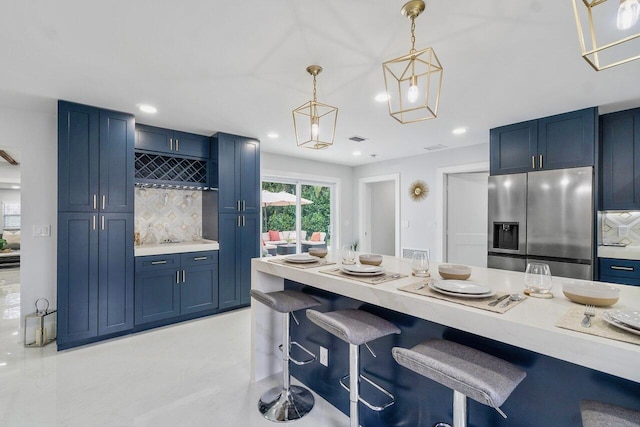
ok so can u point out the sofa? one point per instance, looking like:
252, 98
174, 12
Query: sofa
10, 255
317, 240
280, 237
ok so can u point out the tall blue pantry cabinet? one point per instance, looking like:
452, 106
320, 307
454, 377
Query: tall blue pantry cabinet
238, 215
95, 223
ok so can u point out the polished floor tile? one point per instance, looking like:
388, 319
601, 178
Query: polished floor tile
191, 374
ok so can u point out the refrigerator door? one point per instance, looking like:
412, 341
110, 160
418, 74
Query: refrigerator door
508, 207
566, 269
560, 214
506, 262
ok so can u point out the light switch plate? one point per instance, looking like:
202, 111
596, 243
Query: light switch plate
41, 230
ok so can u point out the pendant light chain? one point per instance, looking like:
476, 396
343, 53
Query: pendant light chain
413, 35
314, 89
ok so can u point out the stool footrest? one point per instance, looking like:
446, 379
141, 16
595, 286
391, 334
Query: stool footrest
377, 387
301, 347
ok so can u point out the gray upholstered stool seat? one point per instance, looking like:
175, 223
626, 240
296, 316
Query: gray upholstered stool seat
289, 402
356, 327
599, 414
472, 373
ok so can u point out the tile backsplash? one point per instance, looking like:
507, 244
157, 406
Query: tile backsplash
620, 227
162, 214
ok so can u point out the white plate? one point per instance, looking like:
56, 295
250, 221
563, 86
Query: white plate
606, 316
459, 295
359, 268
364, 274
300, 258
629, 318
462, 287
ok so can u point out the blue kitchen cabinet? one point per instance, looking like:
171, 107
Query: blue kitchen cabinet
170, 286
239, 241
172, 142
623, 271
95, 276
620, 170
561, 141
238, 161
95, 220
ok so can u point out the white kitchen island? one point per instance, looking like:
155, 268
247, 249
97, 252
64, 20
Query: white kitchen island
529, 325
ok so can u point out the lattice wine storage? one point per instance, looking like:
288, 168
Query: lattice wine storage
151, 167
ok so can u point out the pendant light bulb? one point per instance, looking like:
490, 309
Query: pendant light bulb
412, 94
315, 128
628, 14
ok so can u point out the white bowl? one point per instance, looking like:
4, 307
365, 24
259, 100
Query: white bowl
318, 252
370, 259
454, 271
594, 293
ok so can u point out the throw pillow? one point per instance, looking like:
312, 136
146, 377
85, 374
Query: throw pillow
315, 237
274, 235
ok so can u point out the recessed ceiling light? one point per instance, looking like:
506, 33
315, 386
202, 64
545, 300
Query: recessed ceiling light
459, 131
357, 153
146, 108
272, 135
382, 97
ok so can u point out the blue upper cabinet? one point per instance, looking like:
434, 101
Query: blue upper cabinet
621, 160
561, 141
169, 142
238, 174
95, 158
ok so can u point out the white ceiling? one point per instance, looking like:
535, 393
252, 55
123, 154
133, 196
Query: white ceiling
239, 66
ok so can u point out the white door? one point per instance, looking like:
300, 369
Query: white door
466, 218
382, 236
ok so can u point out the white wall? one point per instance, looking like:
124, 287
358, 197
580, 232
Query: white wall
33, 130
421, 217
9, 196
274, 164
383, 231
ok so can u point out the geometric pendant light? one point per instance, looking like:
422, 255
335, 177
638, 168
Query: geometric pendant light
612, 30
413, 81
314, 123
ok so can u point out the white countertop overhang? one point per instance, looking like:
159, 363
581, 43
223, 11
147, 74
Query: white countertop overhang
174, 248
631, 252
529, 325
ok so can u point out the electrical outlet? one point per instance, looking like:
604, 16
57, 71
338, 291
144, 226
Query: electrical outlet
623, 231
324, 356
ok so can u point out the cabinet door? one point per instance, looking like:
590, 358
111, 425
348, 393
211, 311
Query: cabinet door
116, 161
199, 291
78, 154
157, 295
249, 247
249, 179
621, 160
228, 169
229, 290
513, 148
191, 145
77, 277
151, 138
116, 274
567, 140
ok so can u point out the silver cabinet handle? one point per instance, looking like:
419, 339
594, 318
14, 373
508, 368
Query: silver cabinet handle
238, 221
533, 162
244, 205
170, 144
177, 145
184, 276
238, 205
200, 258
177, 276
95, 201
104, 201
158, 262
102, 222
540, 161
94, 222
243, 220
619, 267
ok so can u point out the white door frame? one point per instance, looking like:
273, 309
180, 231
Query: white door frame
441, 202
365, 214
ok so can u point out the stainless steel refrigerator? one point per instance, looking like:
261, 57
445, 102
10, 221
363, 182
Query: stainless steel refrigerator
544, 216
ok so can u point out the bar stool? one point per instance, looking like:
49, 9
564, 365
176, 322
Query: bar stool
467, 371
599, 414
356, 327
289, 402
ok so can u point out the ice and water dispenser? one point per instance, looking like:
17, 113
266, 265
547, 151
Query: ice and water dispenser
505, 235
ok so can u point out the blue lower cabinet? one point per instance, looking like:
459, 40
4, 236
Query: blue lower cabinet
170, 286
622, 271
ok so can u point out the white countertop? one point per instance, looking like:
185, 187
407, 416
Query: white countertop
174, 248
529, 325
631, 252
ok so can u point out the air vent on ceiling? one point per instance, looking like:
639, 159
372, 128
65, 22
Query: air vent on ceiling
356, 138
435, 147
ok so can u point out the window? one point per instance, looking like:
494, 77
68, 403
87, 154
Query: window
11, 216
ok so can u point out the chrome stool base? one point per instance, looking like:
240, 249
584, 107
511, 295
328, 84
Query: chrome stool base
279, 406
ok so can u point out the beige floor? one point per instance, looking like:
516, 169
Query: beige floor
192, 374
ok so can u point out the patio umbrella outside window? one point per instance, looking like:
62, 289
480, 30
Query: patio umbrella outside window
281, 198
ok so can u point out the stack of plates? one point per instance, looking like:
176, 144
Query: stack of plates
627, 320
362, 270
300, 258
462, 288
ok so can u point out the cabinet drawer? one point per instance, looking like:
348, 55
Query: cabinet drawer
191, 259
620, 280
157, 262
620, 268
